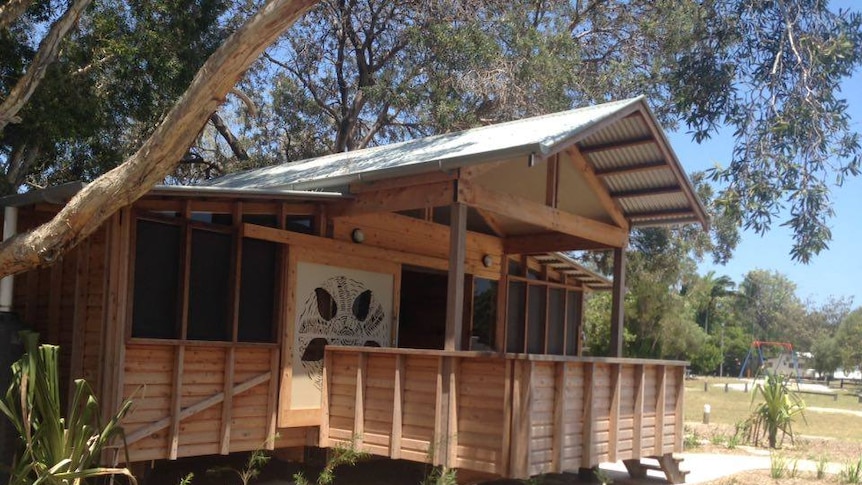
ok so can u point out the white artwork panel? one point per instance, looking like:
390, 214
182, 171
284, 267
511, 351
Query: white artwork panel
335, 306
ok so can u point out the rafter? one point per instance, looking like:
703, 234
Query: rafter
635, 142
541, 215
633, 194
643, 167
599, 188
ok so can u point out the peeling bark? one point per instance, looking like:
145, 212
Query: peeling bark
47, 54
161, 153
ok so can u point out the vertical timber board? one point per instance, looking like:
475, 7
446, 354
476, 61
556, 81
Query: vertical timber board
560, 411
359, 403
397, 409
588, 440
580, 323
521, 425
176, 401
504, 466
637, 421
441, 415
124, 307
661, 374
227, 403
618, 302
326, 384
455, 283
55, 297
680, 409
287, 339
452, 428
614, 415
79, 320
272, 399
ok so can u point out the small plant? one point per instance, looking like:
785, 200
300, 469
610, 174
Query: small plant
793, 470
777, 466
186, 480
691, 439
57, 450
602, 476
340, 455
775, 413
441, 475
717, 438
852, 472
255, 463
820, 470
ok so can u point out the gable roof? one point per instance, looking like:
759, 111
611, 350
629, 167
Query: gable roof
621, 140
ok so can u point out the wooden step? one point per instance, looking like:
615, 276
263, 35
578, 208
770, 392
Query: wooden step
668, 464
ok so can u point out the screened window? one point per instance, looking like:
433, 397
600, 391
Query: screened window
210, 247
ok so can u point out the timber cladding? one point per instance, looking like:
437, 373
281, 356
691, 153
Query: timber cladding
155, 430
511, 415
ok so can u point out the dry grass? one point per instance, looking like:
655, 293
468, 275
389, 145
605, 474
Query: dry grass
735, 406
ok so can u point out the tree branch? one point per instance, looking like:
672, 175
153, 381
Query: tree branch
161, 153
228, 136
47, 54
12, 10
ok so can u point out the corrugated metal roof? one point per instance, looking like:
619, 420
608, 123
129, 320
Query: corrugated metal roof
566, 265
621, 140
541, 135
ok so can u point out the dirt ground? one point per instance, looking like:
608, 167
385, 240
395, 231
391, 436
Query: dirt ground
709, 439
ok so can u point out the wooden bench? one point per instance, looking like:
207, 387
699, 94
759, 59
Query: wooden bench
821, 393
667, 464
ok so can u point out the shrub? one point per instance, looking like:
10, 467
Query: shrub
777, 466
56, 450
852, 472
778, 408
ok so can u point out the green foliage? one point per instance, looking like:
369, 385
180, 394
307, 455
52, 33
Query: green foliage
338, 456
820, 467
440, 475
777, 466
852, 472
55, 449
186, 480
848, 336
690, 439
776, 411
255, 463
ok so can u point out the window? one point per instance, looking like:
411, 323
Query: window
544, 317
210, 246
155, 310
484, 314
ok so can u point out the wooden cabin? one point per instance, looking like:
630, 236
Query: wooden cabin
412, 299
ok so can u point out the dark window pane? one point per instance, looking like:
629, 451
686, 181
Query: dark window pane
209, 286
157, 262
536, 324
261, 219
516, 315
484, 314
556, 323
515, 268
303, 224
257, 291
210, 218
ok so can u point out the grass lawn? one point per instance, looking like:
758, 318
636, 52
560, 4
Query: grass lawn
735, 406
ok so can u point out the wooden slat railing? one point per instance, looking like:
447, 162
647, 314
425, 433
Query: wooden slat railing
509, 415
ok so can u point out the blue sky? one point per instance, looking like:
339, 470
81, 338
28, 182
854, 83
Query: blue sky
836, 271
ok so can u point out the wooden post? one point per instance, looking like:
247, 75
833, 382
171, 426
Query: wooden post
661, 388
637, 421
455, 289
588, 451
359, 403
397, 407
614, 416
560, 411
618, 305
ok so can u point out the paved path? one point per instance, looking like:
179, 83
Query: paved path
705, 467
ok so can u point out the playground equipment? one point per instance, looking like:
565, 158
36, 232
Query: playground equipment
785, 363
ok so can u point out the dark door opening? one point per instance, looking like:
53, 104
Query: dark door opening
422, 319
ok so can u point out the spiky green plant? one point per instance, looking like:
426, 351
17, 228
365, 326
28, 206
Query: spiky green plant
55, 450
778, 408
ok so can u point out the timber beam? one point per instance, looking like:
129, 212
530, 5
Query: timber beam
396, 199
541, 215
547, 243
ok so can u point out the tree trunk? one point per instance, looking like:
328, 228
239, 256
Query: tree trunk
161, 152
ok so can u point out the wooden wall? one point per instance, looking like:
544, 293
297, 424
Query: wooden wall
202, 399
65, 302
515, 416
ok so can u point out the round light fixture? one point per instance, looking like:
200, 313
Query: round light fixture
358, 236
487, 260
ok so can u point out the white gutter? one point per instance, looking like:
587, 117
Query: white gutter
10, 227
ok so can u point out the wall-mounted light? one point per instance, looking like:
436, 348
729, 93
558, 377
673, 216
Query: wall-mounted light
487, 260
357, 236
